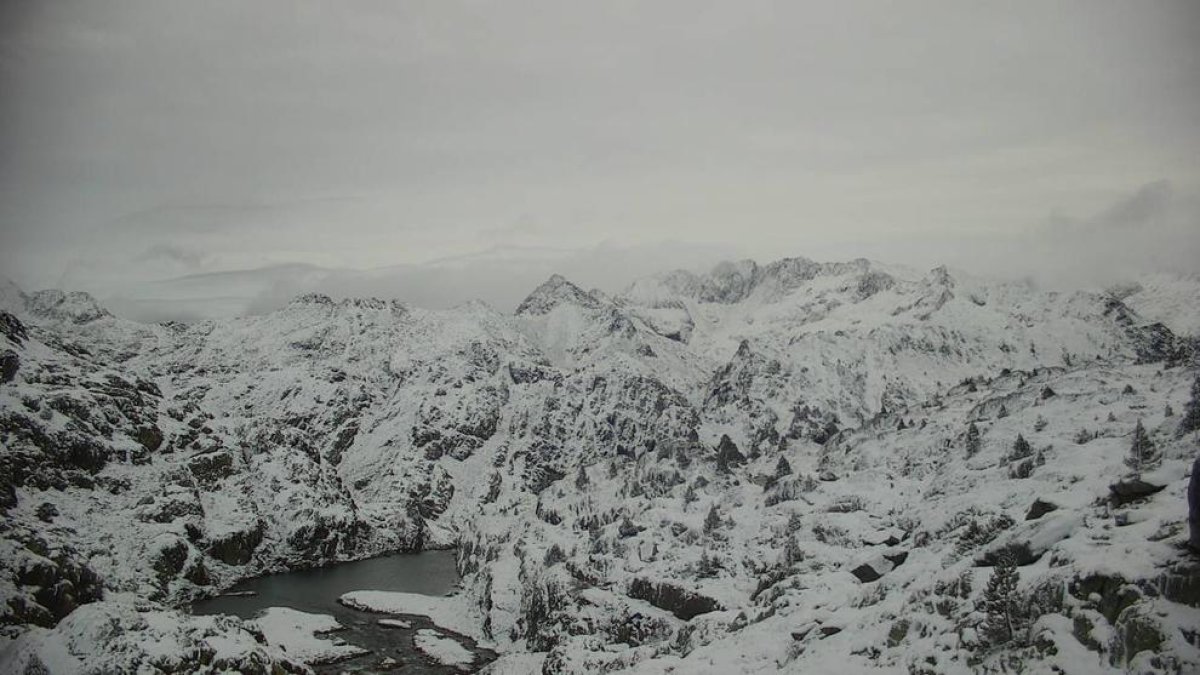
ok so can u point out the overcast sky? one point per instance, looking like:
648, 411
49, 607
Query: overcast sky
148, 140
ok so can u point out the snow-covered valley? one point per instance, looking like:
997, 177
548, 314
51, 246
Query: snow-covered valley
798, 467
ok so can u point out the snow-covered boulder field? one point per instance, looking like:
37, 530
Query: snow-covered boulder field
801, 467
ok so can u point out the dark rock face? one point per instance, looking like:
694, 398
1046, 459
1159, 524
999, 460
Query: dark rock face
48, 588
1126, 491
1039, 508
150, 437
1114, 593
210, 467
1181, 583
237, 548
9, 364
433, 498
12, 328
170, 560
684, 604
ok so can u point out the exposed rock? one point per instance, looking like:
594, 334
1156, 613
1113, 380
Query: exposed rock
1134, 632
237, 547
684, 604
1039, 508
12, 328
9, 364
210, 467
1181, 583
879, 565
150, 437
46, 512
1131, 489
169, 560
1108, 594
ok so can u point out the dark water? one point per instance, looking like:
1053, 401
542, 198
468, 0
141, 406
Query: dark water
317, 591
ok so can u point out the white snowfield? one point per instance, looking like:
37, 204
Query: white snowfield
300, 634
450, 612
442, 649
797, 467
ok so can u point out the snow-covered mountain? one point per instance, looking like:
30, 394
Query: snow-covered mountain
757, 468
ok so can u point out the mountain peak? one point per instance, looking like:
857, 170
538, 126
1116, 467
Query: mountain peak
553, 292
73, 306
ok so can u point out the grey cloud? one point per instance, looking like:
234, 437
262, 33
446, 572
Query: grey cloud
376, 134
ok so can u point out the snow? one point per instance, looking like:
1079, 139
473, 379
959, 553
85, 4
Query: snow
362, 426
442, 649
298, 633
450, 612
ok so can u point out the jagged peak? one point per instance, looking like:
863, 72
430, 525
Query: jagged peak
553, 292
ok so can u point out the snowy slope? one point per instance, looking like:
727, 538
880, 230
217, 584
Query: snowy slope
686, 475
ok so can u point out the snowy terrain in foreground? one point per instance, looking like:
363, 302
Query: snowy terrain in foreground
804, 467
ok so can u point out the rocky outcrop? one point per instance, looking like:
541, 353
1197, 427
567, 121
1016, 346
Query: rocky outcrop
1130, 490
681, 602
237, 547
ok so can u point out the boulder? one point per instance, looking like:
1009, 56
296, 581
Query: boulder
1131, 489
681, 602
878, 565
1039, 508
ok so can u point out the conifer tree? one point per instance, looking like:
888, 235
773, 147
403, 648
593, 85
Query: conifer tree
1006, 616
1142, 451
973, 441
1021, 449
713, 520
783, 468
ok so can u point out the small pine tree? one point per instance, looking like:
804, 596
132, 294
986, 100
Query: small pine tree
792, 553
1040, 424
974, 443
1003, 412
1168, 411
1112, 417
1191, 410
1021, 449
1006, 619
713, 520
709, 566
689, 495
581, 479
783, 468
1142, 451
728, 455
